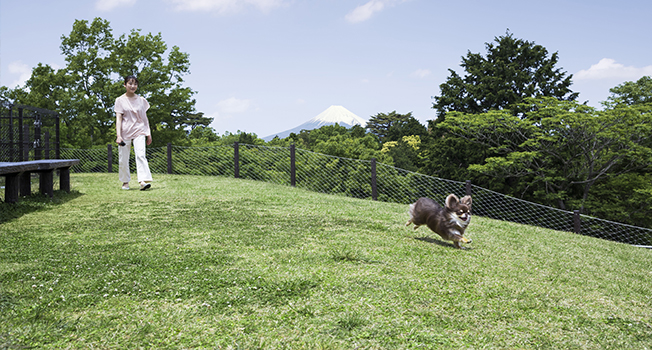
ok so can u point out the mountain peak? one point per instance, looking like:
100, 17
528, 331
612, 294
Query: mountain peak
332, 115
337, 114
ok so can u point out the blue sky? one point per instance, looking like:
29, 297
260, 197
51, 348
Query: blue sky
265, 66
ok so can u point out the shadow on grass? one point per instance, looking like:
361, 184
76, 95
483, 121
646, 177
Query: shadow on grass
428, 239
35, 202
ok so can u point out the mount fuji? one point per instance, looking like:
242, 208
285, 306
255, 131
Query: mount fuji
332, 115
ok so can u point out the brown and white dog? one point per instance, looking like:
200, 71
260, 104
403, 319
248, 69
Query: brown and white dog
449, 222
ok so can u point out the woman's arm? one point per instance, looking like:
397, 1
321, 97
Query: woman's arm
118, 127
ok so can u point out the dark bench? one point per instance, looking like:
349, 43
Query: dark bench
17, 176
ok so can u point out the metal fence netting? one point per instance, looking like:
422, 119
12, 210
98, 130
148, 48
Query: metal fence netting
354, 178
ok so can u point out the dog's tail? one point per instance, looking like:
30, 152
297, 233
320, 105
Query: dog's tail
411, 210
411, 213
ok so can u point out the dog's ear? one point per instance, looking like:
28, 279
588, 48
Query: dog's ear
466, 200
452, 201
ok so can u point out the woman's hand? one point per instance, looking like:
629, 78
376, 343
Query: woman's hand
119, 140
149, 140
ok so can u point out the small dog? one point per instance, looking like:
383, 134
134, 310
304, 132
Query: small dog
449, 222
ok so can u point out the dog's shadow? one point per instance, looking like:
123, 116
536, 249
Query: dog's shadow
429, 239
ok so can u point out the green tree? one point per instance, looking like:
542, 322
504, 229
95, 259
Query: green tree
336, 140
558, 149
624, 198
408, 126
202, 136
84, 91
632, 93
381, 123
512, 70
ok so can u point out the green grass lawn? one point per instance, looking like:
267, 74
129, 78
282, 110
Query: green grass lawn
214, 262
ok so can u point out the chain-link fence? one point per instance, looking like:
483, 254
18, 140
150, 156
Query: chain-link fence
355, 178
28, 133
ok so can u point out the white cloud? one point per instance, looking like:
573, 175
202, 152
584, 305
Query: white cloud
233, 105
421, 73
20, 69
366, 11
608, 68
108, 5
225, 6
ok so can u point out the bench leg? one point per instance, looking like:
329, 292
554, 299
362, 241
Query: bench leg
64, 179
46, 182
12, 185
25, 183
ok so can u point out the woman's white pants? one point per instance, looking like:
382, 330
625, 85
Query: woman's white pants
142, 167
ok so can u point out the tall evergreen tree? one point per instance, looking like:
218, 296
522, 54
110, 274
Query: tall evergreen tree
512, 70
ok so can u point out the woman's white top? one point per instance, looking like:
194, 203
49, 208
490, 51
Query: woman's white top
134, 116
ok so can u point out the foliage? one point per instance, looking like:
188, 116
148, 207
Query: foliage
512, 70
84, 91
382, 123
632, 93
336, 140
202, 136
558, 149
623, 198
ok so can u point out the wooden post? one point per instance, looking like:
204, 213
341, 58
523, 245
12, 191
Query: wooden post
64, 179
109, 156
469, 189
374, 187
12, 187
46, 182
169, 158
293, 169
236, 159
25, 180
577, 223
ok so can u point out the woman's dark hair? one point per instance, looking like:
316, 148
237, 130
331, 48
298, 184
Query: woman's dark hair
130, 77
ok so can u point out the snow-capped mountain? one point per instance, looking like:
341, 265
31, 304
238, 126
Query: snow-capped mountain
332, 115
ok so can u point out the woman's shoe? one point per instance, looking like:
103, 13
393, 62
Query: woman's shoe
144, 186
125, 186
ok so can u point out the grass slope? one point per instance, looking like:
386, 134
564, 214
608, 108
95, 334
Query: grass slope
213, 262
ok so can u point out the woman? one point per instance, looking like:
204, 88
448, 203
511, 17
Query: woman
132, 126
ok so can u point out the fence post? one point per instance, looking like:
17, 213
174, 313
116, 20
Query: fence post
20, 135
25, 177
293, 169
38, 154
469, 189
57, 151
374, 187
576, 221
46, 145
236, 159
169, 158
12, 149
25, 145
109, 157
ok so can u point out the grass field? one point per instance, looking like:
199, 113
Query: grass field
213, 262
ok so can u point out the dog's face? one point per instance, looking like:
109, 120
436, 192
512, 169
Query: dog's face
458, 210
